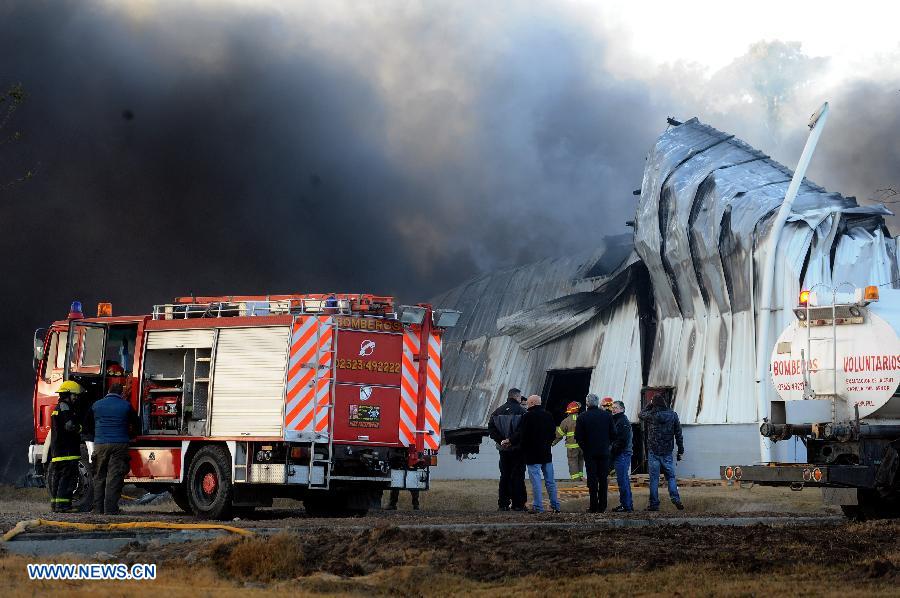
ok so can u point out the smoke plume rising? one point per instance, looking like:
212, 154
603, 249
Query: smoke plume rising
393, 148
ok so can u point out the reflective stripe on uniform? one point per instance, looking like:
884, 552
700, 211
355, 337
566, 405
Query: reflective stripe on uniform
69, 458
570, 433
54, 412
571, 446
577, 476
559, 432
60, 500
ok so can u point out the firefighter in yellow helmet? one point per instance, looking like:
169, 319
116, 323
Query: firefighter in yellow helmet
566, 430
65, 447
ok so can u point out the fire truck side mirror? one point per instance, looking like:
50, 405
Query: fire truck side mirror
38, 355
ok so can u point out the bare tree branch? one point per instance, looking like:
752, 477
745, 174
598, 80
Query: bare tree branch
10, 100
886, 195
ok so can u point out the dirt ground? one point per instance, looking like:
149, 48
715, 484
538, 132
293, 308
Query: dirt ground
381, 555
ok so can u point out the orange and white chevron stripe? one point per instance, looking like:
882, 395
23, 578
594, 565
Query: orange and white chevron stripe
433, 394
309, 377
409, 387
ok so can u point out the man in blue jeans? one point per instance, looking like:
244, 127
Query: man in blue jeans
663, 427
535, 435
621, 454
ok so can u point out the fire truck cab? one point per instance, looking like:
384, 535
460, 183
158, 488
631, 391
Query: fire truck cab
328, 398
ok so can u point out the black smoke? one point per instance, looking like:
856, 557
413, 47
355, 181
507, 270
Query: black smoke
223, 149
219, 150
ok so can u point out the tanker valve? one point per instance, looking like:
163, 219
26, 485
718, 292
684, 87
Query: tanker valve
838, 432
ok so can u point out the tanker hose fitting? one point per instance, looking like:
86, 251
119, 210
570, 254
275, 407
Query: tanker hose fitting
775, 432
840, 432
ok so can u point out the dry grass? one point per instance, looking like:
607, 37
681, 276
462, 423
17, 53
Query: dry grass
180, 580
481, 496
261, 559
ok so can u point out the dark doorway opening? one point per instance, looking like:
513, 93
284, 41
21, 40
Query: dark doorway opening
564, 386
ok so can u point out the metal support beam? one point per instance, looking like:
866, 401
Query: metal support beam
816, 123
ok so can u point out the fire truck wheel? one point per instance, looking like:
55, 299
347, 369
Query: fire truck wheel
180, 497
872, 506
209, 488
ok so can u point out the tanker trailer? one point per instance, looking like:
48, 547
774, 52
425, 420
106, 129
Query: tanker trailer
836, 370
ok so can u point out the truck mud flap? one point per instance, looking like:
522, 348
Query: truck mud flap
886, 476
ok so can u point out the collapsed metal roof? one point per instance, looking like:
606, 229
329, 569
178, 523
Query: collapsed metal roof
702, 225
704, 215
520, 322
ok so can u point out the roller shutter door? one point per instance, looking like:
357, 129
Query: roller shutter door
248, 381
181, 339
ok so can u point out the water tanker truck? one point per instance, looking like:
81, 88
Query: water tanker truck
836, 371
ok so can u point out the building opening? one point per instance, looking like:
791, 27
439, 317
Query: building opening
564, 386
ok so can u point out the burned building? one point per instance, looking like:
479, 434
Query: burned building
673, 305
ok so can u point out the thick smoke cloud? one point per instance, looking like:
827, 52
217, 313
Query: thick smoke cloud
227, 148
243, 150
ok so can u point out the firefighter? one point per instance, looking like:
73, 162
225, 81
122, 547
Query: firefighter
567, 430
116, 374
65, 447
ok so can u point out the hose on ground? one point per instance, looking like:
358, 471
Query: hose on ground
22, 526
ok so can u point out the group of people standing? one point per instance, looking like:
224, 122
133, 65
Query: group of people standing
106, 426
596, 440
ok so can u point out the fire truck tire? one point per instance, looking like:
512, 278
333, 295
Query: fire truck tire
872, 506
180, 497
83, 498
209, 489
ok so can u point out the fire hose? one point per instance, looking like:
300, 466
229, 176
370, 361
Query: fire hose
22, 526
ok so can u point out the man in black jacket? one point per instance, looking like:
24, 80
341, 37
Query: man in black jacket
663, 427
594, 433
65, 447
535, 435
503, 422
620, 452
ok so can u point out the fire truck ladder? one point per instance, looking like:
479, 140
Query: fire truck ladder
327, 462
829, 337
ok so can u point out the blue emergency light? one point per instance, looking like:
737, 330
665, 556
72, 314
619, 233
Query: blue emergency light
75, 311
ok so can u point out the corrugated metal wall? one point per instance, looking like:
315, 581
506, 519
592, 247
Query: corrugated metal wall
480, 363
702, 223
706, 206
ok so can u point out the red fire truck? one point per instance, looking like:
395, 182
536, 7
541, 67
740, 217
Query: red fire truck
327, 398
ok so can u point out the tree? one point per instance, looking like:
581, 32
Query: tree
10, 101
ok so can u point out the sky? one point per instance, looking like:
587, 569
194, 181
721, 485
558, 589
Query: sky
389, 147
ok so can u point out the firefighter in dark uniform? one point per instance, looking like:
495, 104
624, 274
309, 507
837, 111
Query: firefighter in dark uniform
65, 447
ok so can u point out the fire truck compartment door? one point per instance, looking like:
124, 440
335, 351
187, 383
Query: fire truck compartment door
181, 339
248, 381
367, 414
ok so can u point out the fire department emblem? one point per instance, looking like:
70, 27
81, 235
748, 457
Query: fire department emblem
365, 393
366, 348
